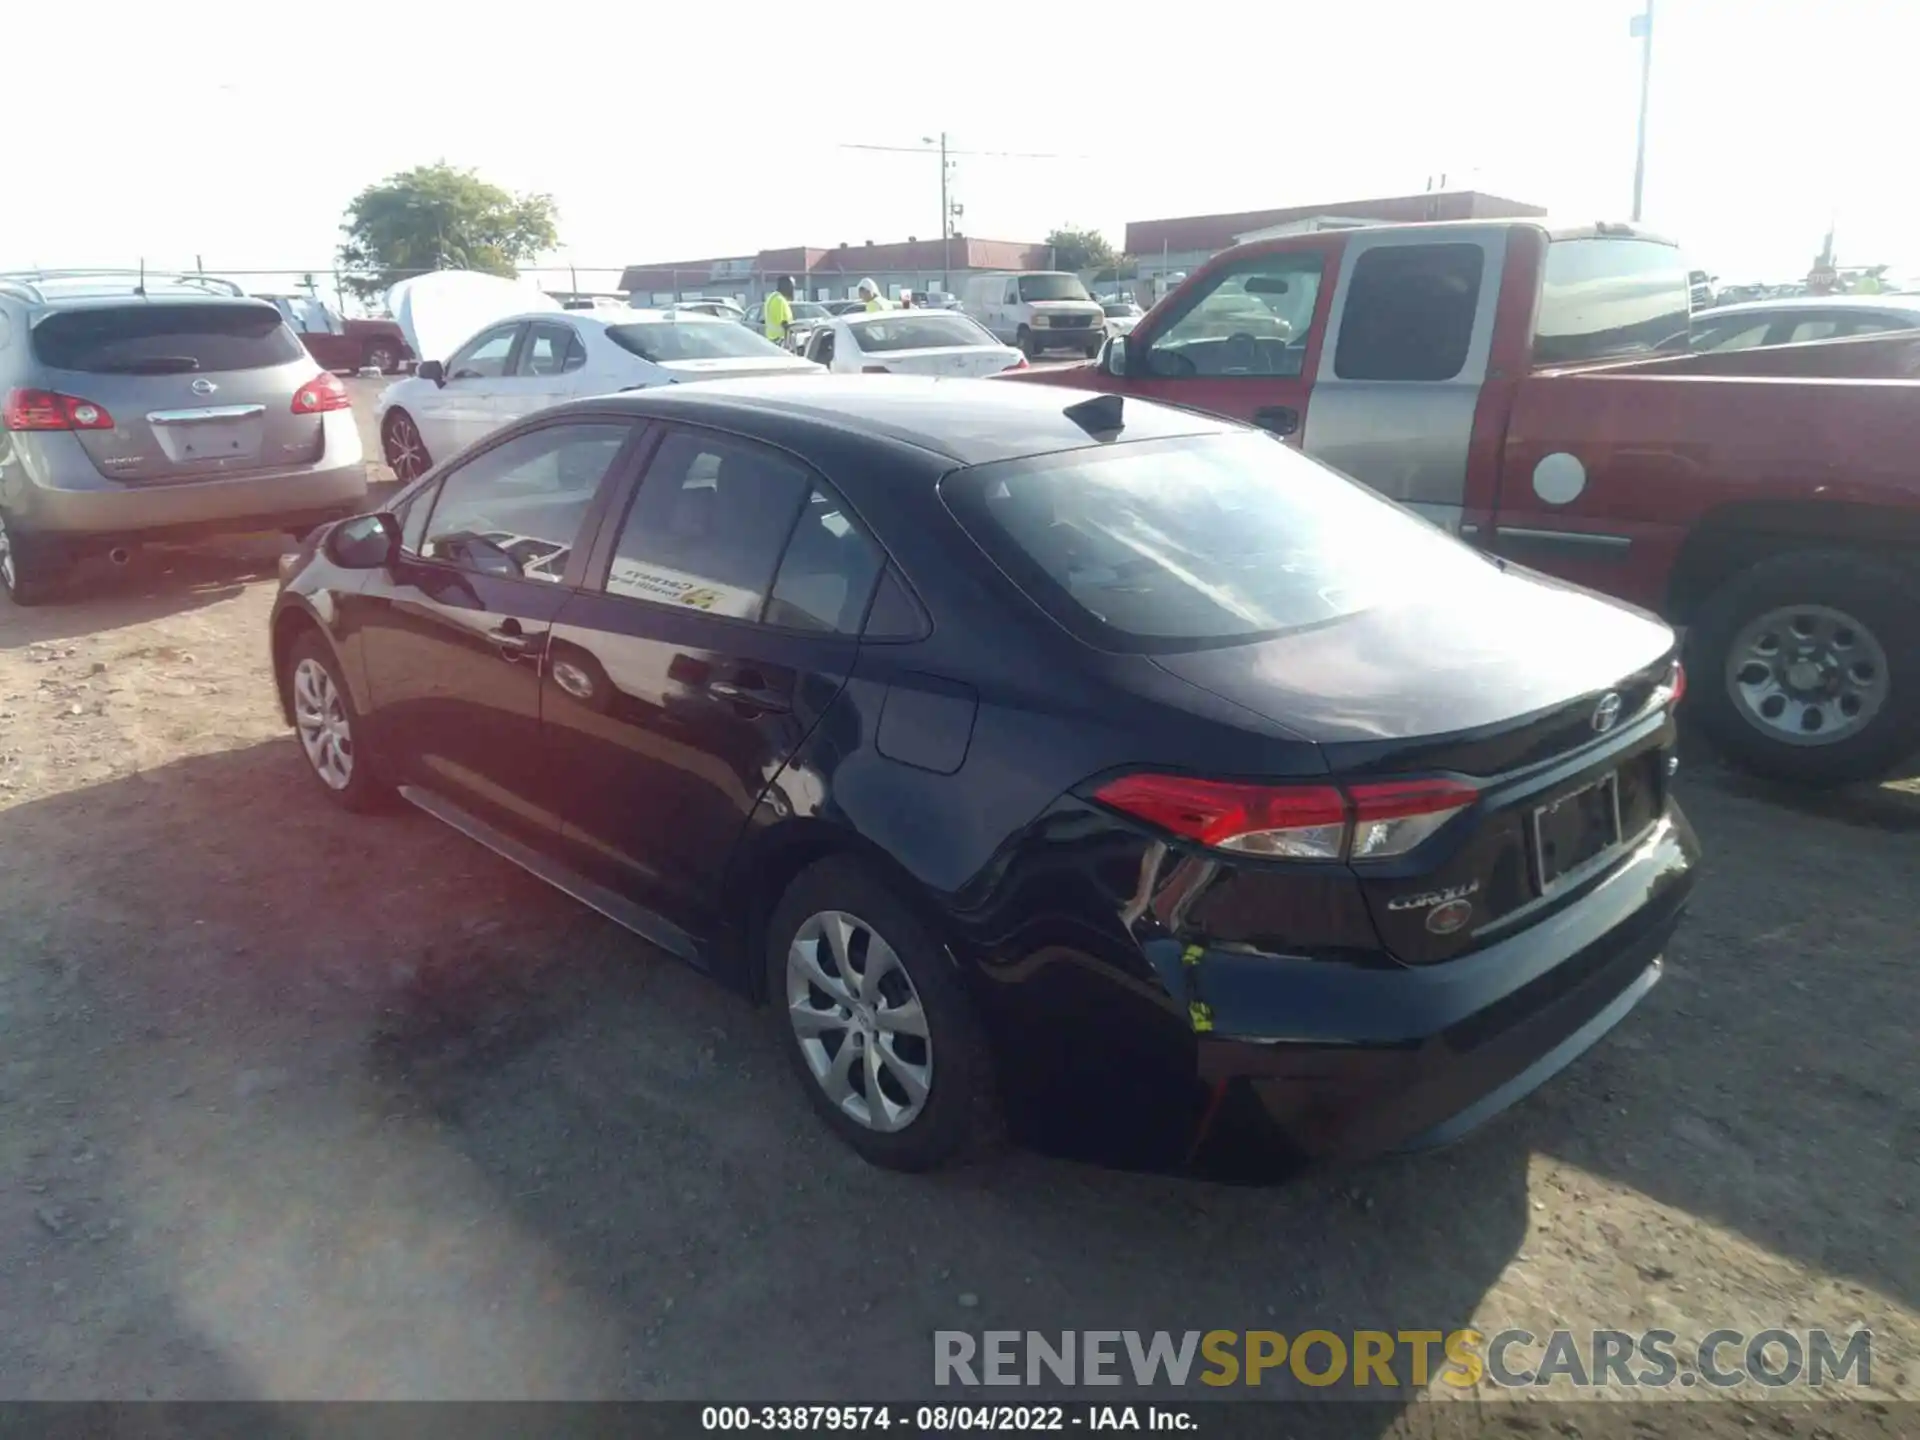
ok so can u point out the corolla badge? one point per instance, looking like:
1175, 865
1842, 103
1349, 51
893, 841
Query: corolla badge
203, 386
1607, 713
1428, 899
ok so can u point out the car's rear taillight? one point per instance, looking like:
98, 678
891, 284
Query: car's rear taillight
50, 410
1373, 821
322, 393
1676, 686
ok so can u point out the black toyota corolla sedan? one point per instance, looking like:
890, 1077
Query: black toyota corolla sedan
1084, 765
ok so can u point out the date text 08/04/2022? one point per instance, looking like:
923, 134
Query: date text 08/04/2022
942, 1418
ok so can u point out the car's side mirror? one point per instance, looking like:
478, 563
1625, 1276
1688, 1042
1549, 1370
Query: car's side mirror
1113, 355
431, 370
365, 542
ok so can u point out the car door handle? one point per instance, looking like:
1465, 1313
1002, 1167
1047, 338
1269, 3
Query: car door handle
755, 697
1280, 419
512, 642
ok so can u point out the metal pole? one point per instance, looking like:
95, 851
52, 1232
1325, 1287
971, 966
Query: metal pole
946, 224
1645, 25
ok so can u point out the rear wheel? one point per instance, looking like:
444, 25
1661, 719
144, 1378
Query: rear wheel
382, 356
405, 451
875, 1021
1806, 667
30, 572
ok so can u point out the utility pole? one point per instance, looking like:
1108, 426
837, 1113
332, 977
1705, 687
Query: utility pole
946, 215
1642, 27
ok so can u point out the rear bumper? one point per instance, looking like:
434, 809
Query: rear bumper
64, 497
1380, 1060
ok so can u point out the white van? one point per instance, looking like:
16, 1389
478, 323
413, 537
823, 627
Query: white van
1037, 310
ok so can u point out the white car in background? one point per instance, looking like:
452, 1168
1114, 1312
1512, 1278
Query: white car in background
909, 342
491, 353
1122, 316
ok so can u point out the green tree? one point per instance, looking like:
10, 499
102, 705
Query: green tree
1080, 249
435, 217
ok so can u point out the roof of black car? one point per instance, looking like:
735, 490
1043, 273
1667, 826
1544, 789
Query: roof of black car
971, 422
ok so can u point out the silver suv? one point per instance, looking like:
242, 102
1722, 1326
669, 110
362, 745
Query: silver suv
152, 409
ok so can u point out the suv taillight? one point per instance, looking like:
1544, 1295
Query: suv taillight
1371, 821
323, 392
50, 410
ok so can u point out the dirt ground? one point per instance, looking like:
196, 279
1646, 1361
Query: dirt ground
294, 1104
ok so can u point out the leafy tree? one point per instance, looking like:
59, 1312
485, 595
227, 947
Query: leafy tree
1080, 249
435, 217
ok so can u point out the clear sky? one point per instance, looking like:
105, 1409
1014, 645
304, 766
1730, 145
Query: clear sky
671, 131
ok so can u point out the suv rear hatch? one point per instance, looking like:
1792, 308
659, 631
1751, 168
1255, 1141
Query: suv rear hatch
185, 389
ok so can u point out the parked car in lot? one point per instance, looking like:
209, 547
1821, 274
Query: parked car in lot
515, 364
719, 307
1122, 316
339, 343
1038, 310
168, 412
1801, 318
908, 342
1530, 389
1089, 754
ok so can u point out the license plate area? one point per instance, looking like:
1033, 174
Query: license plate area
1577, 833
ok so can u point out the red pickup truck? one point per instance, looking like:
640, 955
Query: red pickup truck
338, 343
1530, 388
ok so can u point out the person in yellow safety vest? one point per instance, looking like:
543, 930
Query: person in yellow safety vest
779, 311
870, 293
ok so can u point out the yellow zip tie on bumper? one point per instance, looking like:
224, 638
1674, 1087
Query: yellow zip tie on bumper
1191, 955
1201, 1014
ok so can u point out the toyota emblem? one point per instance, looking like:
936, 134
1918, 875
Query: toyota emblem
1607, 713
1448, 918
204, 386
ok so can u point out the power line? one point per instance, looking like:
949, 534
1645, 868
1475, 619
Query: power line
995, 154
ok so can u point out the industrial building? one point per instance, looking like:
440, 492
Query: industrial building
832, 274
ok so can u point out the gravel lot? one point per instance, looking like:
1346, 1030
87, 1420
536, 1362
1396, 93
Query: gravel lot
299, 1105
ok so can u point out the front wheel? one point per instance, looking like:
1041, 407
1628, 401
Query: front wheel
405, 451
1806, 667
874, 1019
1024, 339
329, 728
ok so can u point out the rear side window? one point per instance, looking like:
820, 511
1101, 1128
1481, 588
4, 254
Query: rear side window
165, 339
827, 574
1409, 313
664, 341
904, 330
1609, 298
1180, 544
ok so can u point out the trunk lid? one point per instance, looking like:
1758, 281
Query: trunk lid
1555, 713
193, 389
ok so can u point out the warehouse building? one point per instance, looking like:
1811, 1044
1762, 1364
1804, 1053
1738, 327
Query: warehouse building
831, 274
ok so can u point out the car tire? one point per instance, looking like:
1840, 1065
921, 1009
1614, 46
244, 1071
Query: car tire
1093, 350
31, 572
1024, 339
319, 697
1834, 632
382, 357
954, 1111
402, 447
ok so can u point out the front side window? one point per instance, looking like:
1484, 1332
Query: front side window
1731, 332
485, 356
1252, 318
1179, 544
1409, 313
1608, 298
516, 511
708, 525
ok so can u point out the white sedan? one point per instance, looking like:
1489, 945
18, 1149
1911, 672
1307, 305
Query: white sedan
909, 342
527, 358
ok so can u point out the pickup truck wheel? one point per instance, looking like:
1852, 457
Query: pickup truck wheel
406, 452
383, 357
1806, 667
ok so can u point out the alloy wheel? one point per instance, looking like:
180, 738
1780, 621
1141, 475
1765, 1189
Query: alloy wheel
406, 453
381, 359
859, 1021
320, 716
1807, 674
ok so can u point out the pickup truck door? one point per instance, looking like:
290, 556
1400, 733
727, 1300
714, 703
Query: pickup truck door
1241, 338
1397, 382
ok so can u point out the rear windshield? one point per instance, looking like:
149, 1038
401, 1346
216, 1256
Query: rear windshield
902, 330
1607, 299
1052, 287
664, 341
146, 339
1206, 540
